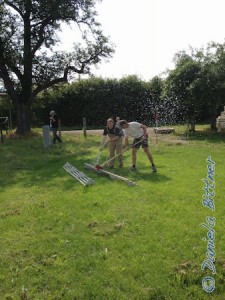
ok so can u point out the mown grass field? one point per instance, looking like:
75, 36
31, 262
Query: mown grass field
61, 240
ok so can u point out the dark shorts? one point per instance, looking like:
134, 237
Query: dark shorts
137, 143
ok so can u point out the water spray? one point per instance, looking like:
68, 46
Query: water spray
99, 152
99, 167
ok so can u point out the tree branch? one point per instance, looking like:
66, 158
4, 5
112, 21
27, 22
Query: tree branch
9, 3
6, 62
40, 35
49, 84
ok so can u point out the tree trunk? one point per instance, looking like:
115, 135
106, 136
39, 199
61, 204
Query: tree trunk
213, 117
213, 123
23, 123
191, 123
192, 129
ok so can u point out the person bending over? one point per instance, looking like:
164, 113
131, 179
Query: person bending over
139, 134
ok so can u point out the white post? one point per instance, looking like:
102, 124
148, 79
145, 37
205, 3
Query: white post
46, 136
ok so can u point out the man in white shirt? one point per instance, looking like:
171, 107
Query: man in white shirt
139, 132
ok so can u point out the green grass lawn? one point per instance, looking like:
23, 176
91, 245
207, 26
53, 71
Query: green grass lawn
63, 240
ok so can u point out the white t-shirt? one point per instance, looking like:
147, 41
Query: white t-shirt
134, 130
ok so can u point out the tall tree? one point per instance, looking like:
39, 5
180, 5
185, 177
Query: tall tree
211, 85
29, 63
180, 86
198, 82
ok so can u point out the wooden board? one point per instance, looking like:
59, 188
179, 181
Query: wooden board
164, 130
111, 175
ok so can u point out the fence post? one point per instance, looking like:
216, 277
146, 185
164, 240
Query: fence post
84, 127
2, 139
60, 127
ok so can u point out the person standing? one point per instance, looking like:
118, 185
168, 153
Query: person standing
118, 124
114, 142
54, 123
117, 121
137, 131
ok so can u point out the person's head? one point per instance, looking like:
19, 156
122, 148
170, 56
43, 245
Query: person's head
110, 123
52, 113
117, 119
123, 124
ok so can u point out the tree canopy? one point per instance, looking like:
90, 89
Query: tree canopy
198, 81
29, 62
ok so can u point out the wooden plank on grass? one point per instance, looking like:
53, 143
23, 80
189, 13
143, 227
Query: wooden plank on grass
111, 175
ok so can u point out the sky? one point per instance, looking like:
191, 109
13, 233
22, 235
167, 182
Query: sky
148, 33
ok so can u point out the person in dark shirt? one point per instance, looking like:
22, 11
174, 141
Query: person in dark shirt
115, 142
54, 123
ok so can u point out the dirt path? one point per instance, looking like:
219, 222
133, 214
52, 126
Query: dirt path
89, 131
100, 131
170, 138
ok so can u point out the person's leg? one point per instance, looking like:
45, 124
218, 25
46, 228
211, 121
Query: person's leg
112, 148
54, 135
134, 156
150, 157
136, 145
58, 138
119, 149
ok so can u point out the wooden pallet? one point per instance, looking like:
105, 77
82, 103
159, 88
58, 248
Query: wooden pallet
111, 175
164, 130
80, 176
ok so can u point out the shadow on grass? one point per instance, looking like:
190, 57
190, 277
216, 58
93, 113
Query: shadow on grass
27, 163
142, 174
150, 176
207, 135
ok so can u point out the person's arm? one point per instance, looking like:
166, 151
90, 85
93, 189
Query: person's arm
116, 133
145, 132
115, 138
54, 118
